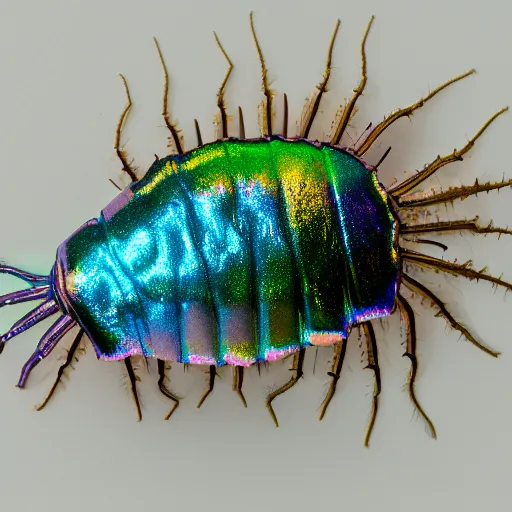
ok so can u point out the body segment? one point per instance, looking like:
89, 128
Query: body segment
236, 252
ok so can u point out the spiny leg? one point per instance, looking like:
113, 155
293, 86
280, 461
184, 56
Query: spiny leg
441, 161
452, 193
349, 109
163, 388
165, 106
340, 350
60, 373
241, 126
373, 364
133, 383
211, 383
220, 93
238, 380
449, 267
312, 105
414, 285
297, 368
453, 225
407, 111
266, 112
121, 153
198, 133
408, 315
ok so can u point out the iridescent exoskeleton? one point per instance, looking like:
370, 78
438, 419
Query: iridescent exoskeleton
248, 250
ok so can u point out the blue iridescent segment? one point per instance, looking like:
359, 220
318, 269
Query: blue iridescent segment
233, 253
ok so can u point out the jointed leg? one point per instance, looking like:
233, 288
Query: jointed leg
238, 380
60, 373
220, 94
349, 109
414, 285
266, 110
408, 315
311, 107
340, 350
453, 193
441, 161
121, 153
211, 384
452, 268
297, 368
133, 384
373, 364
165, 107
453, 225
163, 388
407, 111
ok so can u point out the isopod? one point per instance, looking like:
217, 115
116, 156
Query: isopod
243, 251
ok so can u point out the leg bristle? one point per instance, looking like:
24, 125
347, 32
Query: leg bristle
198, 133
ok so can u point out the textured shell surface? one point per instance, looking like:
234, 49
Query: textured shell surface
236, 252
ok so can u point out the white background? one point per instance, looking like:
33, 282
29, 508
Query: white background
60, 99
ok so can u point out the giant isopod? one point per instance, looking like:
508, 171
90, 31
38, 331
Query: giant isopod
242, 251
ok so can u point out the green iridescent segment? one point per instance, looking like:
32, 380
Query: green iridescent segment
236, 252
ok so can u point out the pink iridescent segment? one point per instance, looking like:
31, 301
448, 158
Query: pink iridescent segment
325, 339
198, 359
274, 354
237, 360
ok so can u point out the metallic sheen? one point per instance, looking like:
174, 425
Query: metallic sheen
235, 252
